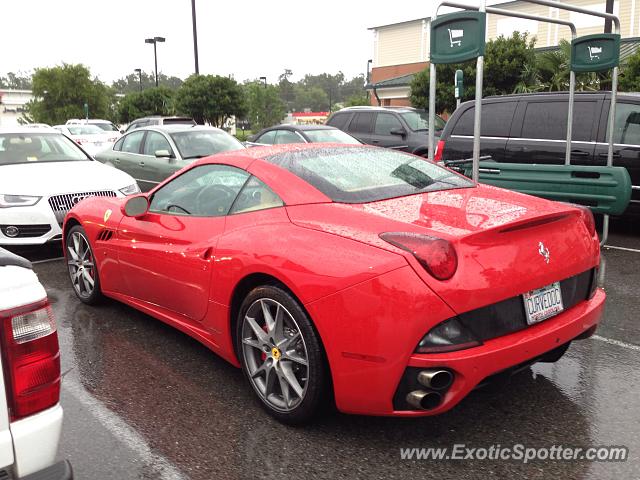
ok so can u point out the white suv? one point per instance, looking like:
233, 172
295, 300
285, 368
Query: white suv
30, 412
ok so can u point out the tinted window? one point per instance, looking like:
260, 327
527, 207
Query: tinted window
287, 136
360, 174
131, 142
205, 191
107, 127
255, 195
202, 143
419, 120
267, 138
339, 120
361, 122
548, 120
385, 122
155, 141
330, 136
627, 125
496, 120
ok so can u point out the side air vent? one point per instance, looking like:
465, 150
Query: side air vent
105, 235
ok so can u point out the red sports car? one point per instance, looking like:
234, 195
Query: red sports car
393, 283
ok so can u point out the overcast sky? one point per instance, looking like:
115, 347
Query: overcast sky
248, 38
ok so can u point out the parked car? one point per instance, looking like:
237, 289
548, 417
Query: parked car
42, 175
400, 128
158, 120
281, 134
396, 282
30, 412
90, 137
105, 125
532, 128
37, 125
152, 154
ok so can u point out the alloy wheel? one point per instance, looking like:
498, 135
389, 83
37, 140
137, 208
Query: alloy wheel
81, 265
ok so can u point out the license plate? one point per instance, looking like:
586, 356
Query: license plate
543, 303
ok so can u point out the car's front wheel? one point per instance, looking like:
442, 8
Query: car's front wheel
81, 264
281, 354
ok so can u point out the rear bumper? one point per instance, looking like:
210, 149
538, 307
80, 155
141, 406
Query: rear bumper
59, 471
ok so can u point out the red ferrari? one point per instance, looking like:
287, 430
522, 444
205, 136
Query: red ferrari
388, 281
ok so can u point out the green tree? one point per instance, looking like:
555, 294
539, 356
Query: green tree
153, 101
629, 80
313, 98
16, 81
265, 107
356, 100
212, 99
131, 83
61, 92
286, 89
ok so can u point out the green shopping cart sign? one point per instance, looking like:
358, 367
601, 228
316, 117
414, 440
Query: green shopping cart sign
457, 37
593, 53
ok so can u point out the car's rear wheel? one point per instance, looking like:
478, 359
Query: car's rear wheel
281, 354
81, 264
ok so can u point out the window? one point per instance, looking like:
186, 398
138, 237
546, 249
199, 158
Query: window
339, 120
627, 124
131, 142
361, 122
287, 136
204, 191
118, 145
155, 141
496, 120
255, 195
201, 143
548, 120
419, 120
385, 122
359, 175
267, 138
31, 148
330, 136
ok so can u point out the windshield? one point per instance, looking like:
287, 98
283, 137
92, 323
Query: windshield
84, 130
362, 174
201, 143
39, 147
330, 136
107, 127
419, 120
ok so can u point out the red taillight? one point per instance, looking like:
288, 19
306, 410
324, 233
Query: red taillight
30, 359
587, 218
439, 149
436, 255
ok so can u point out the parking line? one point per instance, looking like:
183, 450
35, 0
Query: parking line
162, 468
36, 262
623, 248
618, 343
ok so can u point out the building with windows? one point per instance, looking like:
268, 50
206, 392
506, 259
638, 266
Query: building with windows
12, 106
401, 50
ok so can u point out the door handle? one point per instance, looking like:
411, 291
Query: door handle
206, 255
117, 160
615, 155
142, 163
579, 153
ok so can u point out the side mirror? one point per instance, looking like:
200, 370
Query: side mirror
136, 206
398, 131
163, 154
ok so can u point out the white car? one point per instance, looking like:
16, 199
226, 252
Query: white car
90, 137
105, 125
30, 412
43, 174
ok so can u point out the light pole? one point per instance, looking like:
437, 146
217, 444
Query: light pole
155, 41
195, 35
264, 81
139, 72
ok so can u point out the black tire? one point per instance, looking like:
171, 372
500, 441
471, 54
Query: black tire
316, 373
90, 296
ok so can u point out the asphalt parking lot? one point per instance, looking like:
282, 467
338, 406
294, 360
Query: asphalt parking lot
143, 400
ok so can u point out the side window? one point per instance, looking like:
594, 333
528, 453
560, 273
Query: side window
496, 120
627, 124
118, 145
204, 191
155, 141
548, 120
255, 195
268, 138
131, 142
287, 136
361, 122
385, 122
339, 120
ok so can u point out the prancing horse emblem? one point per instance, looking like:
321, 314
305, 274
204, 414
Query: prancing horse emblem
544, 252
107, 214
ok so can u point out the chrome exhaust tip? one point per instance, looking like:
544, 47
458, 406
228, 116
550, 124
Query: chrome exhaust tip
435, 379
421, 400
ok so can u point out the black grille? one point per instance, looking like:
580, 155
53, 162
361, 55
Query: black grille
25, 231
61, 204
509, 316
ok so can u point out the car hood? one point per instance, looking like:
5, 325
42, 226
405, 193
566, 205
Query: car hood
49, 178
496, 234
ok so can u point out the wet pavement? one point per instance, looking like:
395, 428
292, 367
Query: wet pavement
143, 400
